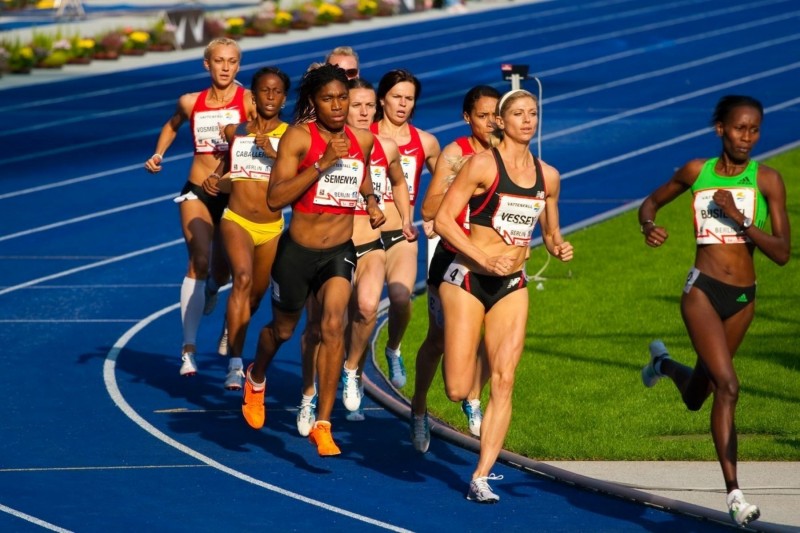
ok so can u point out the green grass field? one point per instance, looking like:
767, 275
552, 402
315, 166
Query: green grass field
578, 393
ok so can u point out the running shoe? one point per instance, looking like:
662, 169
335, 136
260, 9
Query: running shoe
322, 438
233, 381
472, 408
253, 402
420, 432
211, 299
658, 353
481, 492
306, 416
188, 366
222, 345
397, 370
356, 416
741, 512
351, 392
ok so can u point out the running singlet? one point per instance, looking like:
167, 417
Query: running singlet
412, 159
710, 223
508, 208
248, 160
379, 172
336, 189
207, 123
463, 217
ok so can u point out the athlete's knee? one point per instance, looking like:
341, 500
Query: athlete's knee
279, 332
457, 392
367, 310
728, 389
243, 280
693, 402
198, 262
502, 384
399, 294
331, 328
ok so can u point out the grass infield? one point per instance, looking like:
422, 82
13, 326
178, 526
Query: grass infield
578, 393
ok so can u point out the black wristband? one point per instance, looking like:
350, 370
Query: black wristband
377, 198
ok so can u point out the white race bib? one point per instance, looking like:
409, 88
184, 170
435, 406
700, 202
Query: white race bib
208, 126
515, 218
248, 160
409, 164
338, 186
711, 224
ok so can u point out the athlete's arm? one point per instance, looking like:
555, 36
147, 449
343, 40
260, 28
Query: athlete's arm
442, 174
432, 149
400, 196
170, 130
678, 184
549, 219
285, 184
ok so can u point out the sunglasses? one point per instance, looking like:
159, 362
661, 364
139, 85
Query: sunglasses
351, 73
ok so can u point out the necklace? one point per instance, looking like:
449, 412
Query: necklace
213, 95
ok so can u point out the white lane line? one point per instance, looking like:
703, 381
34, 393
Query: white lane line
33, 519
84, 218
69, 321
97, 468
109, 261
110, 379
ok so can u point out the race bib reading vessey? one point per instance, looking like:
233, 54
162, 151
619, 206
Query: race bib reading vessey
248, 160
516, 217
712, 226
207, 129
338, 185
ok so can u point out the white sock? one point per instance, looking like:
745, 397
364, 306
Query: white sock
192, 303
307, 400
475, 403
350, 373
393, 353
257, 387
235, 363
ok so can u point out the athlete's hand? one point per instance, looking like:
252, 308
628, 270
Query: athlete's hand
338, 147
427, 228
410, 232
211, 185
376, 216
655, 236
563, 251
153, 164
263, 142
724, 199
499, 265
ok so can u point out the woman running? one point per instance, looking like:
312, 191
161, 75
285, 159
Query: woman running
249, 227
507, 190
208, 112
398, 92
478, 111
733, 196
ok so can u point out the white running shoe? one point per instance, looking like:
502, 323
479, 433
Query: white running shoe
188, 366
211, 299
420, 432
741, 512
481, 492
472, 408
351, 392
222, 345
233, 381
397, 370
306, 416
658, 353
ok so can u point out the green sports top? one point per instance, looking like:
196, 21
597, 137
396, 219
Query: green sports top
710, 223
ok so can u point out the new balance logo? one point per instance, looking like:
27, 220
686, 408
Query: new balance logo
742, 299
513, 282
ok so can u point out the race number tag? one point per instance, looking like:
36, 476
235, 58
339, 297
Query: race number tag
208, 126
409, 164
516, 217
338, 186
711, 224
249, 161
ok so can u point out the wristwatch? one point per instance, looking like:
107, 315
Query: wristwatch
317, 167
645, 224
746, 223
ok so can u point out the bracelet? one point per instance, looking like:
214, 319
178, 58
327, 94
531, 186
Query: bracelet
377, 198
645, 223
317, 167
159, 156
214, 175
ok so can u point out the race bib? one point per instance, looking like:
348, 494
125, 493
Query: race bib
711, 224
409, 164
338, 186
379, 185
249, 161
516, 217
208, 126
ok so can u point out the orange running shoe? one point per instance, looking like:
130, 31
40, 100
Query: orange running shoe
321, 436
253, 403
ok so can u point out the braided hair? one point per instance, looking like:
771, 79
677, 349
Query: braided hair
313, 81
